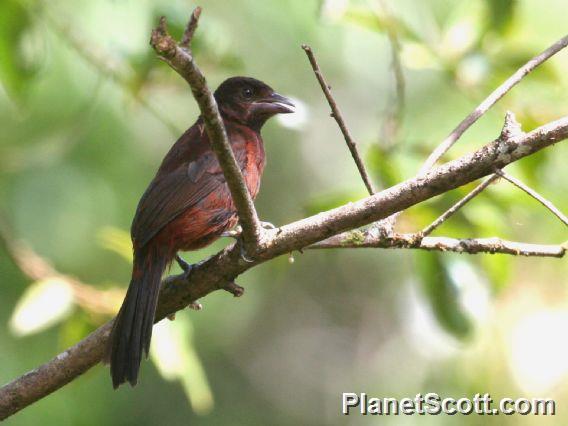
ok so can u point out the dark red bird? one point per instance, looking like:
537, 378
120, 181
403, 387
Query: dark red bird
186, 207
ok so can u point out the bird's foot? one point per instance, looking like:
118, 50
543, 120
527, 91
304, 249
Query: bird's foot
243, 252
237, 231
186, 267
233, 288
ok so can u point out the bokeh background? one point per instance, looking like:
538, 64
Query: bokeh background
87, 112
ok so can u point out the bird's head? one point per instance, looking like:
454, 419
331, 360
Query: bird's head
250, 101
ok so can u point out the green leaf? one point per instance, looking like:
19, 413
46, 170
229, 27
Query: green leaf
498, 270
381, 163
14, 71
501, 14
443, 294
375, 20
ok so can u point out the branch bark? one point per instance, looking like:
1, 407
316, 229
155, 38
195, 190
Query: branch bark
443, 244
215, 272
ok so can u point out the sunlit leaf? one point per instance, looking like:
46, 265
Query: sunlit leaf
117, 240
373, 19
43, 304
175, 357
333, 9
363, 17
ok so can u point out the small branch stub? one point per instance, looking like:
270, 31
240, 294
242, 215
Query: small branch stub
511, 128
233, 288
190, 29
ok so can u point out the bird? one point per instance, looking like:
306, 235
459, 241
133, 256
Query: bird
187, 206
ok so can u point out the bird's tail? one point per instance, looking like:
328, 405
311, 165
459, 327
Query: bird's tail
132, 330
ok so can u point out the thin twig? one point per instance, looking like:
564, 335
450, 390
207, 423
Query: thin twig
183, 63
546, 203
190, 29
450, 212
484, 106
358, 239
336, 114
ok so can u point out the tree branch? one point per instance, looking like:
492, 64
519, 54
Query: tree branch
179, 57
413, 241
336, 114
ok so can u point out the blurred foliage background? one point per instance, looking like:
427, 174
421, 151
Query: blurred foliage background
87, 112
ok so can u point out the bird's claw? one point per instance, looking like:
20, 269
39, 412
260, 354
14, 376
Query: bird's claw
186, 267
244, 254
233, 233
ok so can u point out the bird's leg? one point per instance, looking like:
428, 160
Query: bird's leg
187, 268
244, 255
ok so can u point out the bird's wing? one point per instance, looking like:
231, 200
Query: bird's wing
172, 193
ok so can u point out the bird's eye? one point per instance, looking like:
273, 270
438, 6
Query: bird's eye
247, 93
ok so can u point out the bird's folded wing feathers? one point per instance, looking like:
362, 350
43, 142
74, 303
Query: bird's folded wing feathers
171, 194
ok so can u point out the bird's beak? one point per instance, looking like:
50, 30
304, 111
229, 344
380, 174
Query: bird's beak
275, 104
